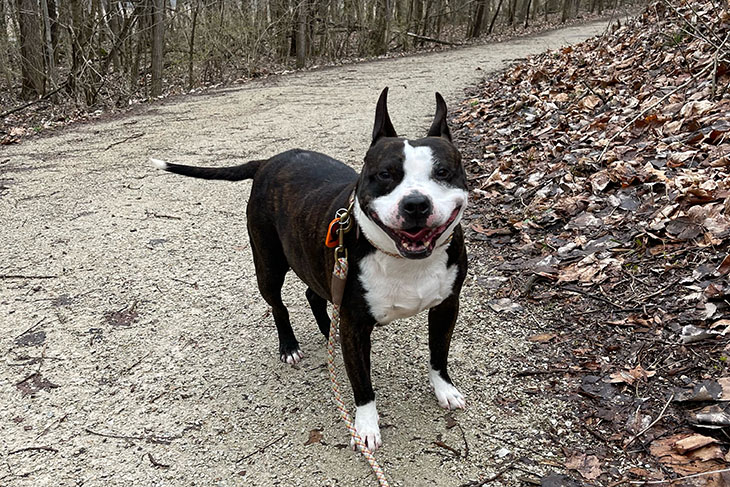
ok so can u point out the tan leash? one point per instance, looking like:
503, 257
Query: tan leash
344, 221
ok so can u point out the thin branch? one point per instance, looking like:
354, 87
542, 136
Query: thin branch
260, 450
661, 415
491, 478
694, 475
126, 139
23, 276
34, 448
33, 102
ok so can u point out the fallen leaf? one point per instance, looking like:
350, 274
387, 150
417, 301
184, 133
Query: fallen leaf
701, 460
587, 465
707, 390
630, 376
502, 305
315, 436
542, 337
34, 383
693, 443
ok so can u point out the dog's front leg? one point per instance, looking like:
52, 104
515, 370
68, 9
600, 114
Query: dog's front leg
441, 321
355, 337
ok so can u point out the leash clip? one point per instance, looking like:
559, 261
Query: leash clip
342, 223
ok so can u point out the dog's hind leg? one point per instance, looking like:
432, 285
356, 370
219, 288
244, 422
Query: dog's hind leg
271, 268
319, 310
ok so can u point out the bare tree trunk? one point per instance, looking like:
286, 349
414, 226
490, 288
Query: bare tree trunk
31, 49
527, 12
113, 15
158, 45
476, 26
302, 34
512, 12
494, 17
388, 4
424, 25
50, 57
191, 51
566, 11
4, 47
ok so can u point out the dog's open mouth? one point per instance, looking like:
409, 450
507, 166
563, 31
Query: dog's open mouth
417, 242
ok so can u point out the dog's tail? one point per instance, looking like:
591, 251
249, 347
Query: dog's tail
231, 173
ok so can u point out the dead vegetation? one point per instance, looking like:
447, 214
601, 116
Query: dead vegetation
600, 183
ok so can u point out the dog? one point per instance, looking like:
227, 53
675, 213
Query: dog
406, 252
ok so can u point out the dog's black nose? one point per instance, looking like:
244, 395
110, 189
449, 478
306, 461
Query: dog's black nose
415, 205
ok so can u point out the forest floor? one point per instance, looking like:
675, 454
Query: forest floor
138, 351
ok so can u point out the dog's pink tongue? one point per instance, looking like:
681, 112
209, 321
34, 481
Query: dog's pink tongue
417, 235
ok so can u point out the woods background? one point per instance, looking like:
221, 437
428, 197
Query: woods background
110, 51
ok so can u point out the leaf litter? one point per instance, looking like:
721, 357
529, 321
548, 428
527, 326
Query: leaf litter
600, 186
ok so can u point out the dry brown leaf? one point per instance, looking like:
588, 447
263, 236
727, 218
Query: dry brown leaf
587, 465
693, 443
724, 266
590, 102
630, 376
701, 460
315, 436
542, 337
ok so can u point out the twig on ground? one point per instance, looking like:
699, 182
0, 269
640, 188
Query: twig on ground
644, 298
126, 139
431, 39
33, 102
34, 448
23, 276
466, 444
128, 369
661, 415
443, 445
493, 477
670, 481
260, 450
28, 330
45, 430
158, 215
154, 462
160, 440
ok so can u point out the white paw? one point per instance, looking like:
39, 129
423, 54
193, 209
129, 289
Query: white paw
292, 357
447, 395
366, 424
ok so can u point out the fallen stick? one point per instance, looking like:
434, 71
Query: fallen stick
260, 450
126, 139
670, 481
492, 478
431, 39
23, 276
661, 415
34, 448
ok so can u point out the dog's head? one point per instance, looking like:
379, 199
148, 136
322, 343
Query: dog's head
411, 193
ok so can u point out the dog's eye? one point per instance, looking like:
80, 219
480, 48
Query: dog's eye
442, 173
385, 176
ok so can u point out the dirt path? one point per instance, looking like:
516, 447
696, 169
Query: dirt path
137, 350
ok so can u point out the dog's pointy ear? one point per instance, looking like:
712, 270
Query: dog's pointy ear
439, 127
383, 126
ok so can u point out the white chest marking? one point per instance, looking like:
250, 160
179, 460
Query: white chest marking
398, 288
